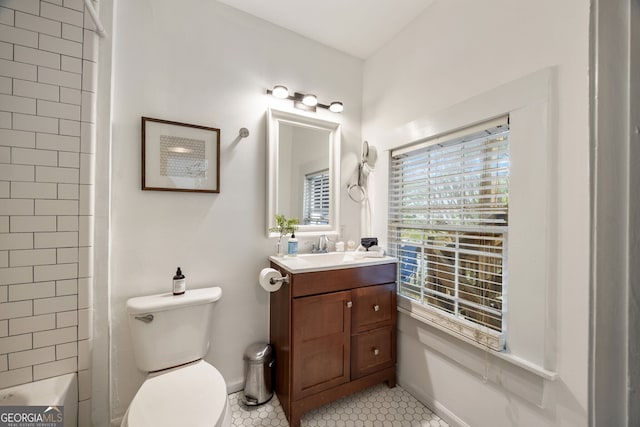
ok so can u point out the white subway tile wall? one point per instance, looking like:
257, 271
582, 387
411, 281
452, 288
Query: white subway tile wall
48, 81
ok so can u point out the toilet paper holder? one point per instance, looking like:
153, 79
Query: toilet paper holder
284, 279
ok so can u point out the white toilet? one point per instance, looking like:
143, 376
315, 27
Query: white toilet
170, 338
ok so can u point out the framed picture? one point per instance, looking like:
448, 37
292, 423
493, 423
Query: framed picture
180, 157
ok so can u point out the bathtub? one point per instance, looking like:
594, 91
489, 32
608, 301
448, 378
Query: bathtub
57, 391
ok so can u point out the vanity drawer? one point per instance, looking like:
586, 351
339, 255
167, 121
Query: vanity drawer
373, 307
320, 282
372, 350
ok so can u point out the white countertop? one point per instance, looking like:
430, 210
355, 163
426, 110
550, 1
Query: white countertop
305, 263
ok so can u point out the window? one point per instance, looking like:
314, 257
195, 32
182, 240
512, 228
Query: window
448, 225
316, 198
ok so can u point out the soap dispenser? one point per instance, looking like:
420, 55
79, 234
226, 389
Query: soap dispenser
179, 283
292, 247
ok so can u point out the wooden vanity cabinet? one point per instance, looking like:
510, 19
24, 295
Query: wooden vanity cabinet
333, 333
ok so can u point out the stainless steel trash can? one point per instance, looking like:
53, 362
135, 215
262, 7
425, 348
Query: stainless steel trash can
258, 374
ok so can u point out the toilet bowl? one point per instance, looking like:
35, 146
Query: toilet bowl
170, 338
191, 395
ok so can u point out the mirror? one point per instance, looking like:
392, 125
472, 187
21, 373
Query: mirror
303, 171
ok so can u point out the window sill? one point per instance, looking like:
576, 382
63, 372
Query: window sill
414, 310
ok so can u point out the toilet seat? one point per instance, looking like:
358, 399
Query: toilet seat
189, 395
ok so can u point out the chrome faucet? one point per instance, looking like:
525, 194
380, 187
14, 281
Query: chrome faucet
322, 247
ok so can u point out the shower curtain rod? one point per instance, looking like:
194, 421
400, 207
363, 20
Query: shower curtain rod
94, 15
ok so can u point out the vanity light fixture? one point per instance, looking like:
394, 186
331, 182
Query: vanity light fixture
307, 102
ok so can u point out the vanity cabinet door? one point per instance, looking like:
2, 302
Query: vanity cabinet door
373, 307
321, 330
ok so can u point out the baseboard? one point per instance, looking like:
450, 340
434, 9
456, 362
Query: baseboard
436, 407
235, 386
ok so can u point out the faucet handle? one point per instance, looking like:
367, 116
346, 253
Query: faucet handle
323, 243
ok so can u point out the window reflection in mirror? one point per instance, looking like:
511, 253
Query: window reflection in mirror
303, 171
303, 152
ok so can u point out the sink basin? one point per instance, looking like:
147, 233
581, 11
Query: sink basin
304, 263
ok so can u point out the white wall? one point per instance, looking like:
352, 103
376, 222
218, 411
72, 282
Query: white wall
201, 62
453, 52
634, 218
615, 137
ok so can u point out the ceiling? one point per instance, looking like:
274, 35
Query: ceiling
357, 27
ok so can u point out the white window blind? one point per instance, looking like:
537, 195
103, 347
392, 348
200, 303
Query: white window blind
316, 198
448, 223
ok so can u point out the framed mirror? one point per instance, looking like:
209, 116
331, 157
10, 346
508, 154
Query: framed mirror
303, 171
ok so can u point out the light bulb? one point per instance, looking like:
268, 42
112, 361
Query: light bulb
336, 107
280, 91
310, 100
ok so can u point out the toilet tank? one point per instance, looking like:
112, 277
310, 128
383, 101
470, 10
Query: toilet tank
170, 330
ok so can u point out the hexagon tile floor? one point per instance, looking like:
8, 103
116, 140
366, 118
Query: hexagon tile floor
378, 406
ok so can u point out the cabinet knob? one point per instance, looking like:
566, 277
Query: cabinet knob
376, 352
376, 307
349, 304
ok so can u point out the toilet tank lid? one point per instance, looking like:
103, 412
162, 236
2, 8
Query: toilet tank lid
168, 301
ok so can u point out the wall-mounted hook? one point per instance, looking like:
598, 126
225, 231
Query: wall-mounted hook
244, 132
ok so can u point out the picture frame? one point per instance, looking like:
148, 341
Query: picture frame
180, 156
